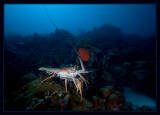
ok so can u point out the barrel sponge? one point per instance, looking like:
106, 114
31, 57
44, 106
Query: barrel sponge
84, 54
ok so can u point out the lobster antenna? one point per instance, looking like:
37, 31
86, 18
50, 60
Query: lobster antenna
65, 38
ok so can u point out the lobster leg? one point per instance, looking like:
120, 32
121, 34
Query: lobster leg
66, 84
75, 83
79, 88
82, 78
47, 78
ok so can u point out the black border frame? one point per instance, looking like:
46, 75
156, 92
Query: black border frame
157, 2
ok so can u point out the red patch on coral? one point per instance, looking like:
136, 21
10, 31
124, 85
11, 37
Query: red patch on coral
84, 54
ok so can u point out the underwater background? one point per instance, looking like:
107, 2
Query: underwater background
117, 46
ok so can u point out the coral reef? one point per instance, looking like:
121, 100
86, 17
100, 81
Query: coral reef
144, 108
50, 102
27, 78
119, 60
114, 102
86, 43
127, 66
106, 91
47, 96
109, 100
